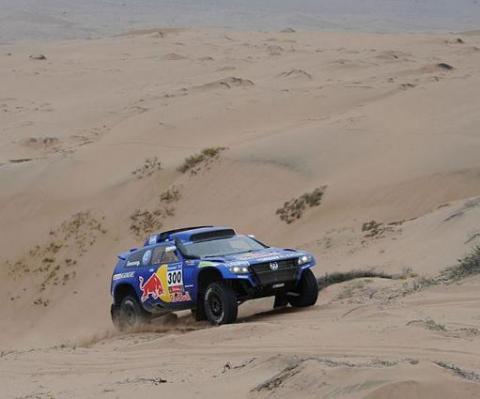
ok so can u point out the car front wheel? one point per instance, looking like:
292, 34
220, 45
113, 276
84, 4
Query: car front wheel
306, 293
220, 304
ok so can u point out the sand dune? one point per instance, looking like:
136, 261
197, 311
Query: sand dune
386, 126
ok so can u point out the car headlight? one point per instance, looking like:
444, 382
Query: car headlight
239, 267
304, 259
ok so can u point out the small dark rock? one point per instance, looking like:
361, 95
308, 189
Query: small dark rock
38, 57
445, 66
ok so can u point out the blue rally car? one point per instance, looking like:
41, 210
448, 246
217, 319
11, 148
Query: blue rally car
210, 270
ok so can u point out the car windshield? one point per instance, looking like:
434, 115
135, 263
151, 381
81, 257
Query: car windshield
222, 247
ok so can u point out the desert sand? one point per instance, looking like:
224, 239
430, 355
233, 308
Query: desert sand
92, 136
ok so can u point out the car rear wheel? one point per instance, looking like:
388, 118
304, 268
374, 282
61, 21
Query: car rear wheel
199, 312
220, 304
130, 314
306, 293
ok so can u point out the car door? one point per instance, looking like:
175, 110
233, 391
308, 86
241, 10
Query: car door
160, 279
149, 285
177, 295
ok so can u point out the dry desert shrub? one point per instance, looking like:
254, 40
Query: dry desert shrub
146, 221
429, 324
294, 209
196, 162
41, 142
149, 167
372, 228
375, 229
341, 277
171, 195
468, 375
466, 267
54, 263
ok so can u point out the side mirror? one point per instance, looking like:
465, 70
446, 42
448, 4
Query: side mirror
153, 239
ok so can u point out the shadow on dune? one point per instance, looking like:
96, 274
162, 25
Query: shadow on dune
271, 313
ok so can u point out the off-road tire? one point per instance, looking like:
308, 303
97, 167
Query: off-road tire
220, 304
199, 312
307, 291
130, 314
281, 301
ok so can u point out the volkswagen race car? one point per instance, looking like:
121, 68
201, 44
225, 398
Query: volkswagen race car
209, 270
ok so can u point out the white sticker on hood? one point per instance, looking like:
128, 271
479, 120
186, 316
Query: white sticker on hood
272, 256
239, 263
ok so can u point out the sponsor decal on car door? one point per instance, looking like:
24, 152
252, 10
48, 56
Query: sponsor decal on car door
166, 284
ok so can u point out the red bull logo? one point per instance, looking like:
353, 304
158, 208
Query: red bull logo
151, 287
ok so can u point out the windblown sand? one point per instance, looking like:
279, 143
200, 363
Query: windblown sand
91, 138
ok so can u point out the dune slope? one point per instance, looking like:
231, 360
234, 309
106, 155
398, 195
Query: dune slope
93, 137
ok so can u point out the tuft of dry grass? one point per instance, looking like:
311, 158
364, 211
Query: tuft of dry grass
51, 264
429, 324
144, 222
294, 209
171, 195
467, 375
149, 167
147, 221
433, 325
374, 229
337, 278
194, 163
466, 267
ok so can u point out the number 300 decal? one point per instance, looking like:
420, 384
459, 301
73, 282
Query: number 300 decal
175, 277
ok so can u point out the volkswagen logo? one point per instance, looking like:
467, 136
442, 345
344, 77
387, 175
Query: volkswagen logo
273, 266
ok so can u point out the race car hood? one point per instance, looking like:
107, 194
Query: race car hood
264, 255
